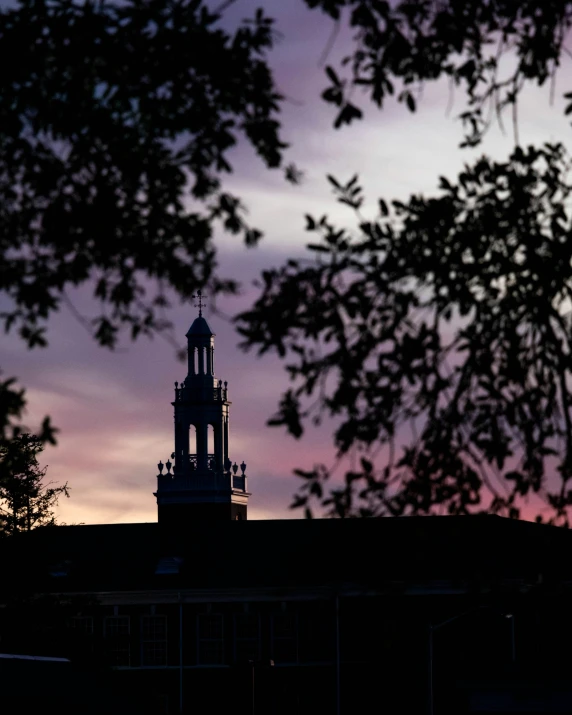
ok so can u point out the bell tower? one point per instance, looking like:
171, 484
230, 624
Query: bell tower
203, 484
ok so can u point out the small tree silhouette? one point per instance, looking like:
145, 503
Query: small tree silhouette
26, 502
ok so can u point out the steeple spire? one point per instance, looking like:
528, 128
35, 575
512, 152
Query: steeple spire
204, 483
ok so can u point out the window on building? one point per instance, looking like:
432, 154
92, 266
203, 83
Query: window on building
285, 637
246, 637
82, 624
210, 639
117, 640
153, 640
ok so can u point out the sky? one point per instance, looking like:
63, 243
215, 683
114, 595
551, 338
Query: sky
114, 408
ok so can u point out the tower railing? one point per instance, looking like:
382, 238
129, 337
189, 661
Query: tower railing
201, 393
210, 481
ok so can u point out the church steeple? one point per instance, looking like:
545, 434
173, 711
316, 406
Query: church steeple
203, 484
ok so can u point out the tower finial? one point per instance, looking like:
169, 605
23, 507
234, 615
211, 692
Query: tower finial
200, 305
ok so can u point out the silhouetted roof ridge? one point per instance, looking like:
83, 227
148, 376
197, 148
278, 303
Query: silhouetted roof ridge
199, 327
304, 552
461, 518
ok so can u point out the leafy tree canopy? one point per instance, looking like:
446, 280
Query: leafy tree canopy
116, 122
447, 319
437, 335
400, 46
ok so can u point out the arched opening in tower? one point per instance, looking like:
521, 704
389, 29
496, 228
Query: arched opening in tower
211, 446
193, 447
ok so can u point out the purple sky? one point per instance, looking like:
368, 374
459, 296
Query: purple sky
114, 409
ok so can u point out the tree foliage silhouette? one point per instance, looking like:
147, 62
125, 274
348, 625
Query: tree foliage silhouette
438, 336
116, 123
399, 47
114, 134
26, 502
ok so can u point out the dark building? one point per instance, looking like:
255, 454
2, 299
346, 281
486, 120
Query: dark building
206, 612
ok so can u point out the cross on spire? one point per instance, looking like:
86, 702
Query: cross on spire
200, 305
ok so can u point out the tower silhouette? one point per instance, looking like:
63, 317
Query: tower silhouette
203, 483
